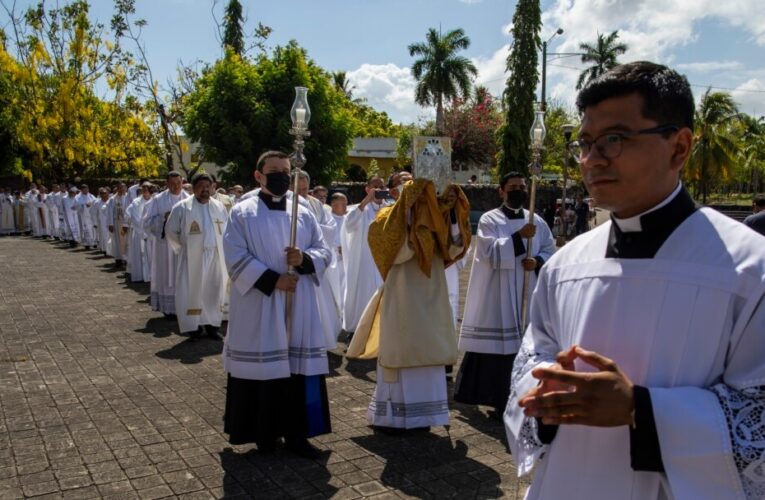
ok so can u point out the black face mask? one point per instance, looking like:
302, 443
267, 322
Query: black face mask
277, 183
516, 198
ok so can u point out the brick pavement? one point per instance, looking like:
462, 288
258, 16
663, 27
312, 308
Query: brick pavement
100, 397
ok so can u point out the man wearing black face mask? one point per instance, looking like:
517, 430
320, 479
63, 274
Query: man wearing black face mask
491, 331
276, 374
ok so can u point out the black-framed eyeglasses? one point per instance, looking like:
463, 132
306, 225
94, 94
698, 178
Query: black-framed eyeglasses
609, 145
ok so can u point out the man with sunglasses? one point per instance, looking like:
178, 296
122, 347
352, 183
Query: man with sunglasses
642, 372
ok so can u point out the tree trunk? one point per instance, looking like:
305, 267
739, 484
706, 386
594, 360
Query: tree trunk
439, 115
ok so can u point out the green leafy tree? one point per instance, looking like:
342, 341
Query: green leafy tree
752, 152
343, 85
713, 155
555, 153
440, 72
519, 95
233, 28
601, 56
472, 125
240, 108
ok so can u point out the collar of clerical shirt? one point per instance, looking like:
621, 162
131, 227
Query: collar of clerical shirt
641, 236
512, 213
273, 202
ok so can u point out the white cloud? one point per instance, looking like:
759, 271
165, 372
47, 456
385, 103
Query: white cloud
491, 70
388, 88
750, 97
652, 31
709, 66
471, 2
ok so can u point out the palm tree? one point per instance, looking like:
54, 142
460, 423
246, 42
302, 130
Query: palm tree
602, 56
752, 151
343, 85
441, 73
714, 148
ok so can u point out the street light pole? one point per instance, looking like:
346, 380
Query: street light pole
543, 100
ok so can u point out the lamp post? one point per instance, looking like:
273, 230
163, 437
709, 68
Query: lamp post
568, 129
537, 133
543, 104
300, 115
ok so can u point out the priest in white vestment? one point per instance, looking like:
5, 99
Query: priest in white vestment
63, 234
41, 213
362, 276
52, 204
71, 217
7, 226
194, 231
336, 272
163, 259
100, 216
329, 309
276, 376
491, 323
137, 259
85, 201
642, 372
118, 225
408, 323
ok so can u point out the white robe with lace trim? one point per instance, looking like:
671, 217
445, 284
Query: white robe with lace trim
688, 324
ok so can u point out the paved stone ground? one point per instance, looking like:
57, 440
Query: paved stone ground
100, 397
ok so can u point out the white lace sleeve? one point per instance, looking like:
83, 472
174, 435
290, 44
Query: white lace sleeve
525, 442
745, 412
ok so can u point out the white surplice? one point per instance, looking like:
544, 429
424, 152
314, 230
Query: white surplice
362, 277
7, 226
87, 225
335, 274
52, 204
100, 214
71, 219
688, 324
118, 221
137, 259
492, 316
194, 232
163, 259
257, 345
42, 215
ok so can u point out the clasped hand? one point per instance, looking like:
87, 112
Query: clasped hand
564, 396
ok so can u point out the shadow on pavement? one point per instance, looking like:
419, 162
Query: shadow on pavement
159, 327
280, 474
190, 352
425, 465
487, 423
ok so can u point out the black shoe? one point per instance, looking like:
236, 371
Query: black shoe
195, 334
302, 448
389, 431
213, 332
171, 317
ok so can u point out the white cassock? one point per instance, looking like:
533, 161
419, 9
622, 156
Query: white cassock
137, 260
100, 215
87, 225
118, 220
453, 285
257, 345
133, 192
362, 277
52, 204
7, 226
71, 219
163, 260
194, 231
335, 274
42, 215
492, 316
32, 213
62, 228
331, 321
686, 322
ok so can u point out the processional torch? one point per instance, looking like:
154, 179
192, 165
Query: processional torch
537, 133
300, 115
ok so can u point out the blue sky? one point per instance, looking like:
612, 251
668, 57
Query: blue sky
714, 42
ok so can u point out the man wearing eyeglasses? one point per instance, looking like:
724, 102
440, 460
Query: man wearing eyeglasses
642, 372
